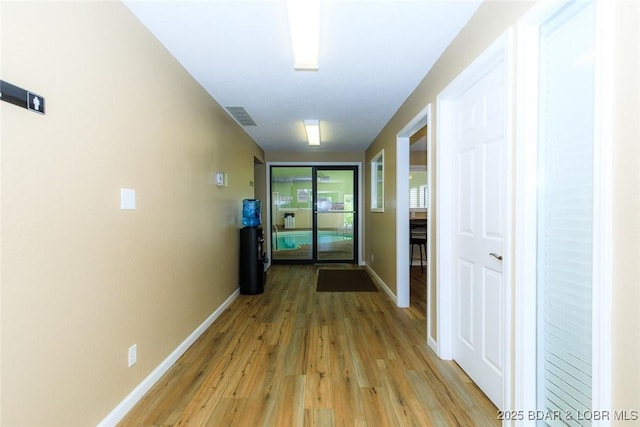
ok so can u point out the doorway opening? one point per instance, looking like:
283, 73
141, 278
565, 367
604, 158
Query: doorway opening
413, 200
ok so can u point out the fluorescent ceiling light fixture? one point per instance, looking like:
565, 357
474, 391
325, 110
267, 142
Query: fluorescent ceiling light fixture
313, 131
304, 25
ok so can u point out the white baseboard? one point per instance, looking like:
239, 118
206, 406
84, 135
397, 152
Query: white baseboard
129, 402
432, 344
383, 285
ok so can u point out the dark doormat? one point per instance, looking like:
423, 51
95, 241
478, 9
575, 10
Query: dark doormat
348, 280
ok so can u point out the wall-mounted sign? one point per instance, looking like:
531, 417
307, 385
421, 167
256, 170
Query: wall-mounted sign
21, 97
35, 102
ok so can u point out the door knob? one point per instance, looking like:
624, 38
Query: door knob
496, 256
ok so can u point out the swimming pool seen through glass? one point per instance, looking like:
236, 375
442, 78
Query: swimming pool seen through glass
288, 240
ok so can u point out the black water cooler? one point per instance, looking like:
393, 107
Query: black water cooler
252, 257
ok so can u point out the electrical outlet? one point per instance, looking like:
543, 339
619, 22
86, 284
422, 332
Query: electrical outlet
371, 257
133, 354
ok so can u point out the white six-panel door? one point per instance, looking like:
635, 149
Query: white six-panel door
478, 228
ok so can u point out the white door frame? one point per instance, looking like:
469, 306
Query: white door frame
500, 50
526, 207
403, 280
359, 208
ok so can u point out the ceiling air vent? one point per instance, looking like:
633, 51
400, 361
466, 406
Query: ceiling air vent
241, 115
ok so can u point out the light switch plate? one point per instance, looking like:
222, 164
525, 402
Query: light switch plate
133, 355
127, 199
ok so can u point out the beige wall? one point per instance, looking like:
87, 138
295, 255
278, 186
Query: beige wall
260, 186
83, 280
380, 227
418, 158
315, 156
490, 21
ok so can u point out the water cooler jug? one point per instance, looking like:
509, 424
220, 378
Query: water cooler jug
252, 257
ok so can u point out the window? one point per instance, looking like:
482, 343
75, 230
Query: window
418, 188
377, 182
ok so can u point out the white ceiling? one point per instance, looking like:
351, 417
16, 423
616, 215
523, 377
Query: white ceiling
373, 54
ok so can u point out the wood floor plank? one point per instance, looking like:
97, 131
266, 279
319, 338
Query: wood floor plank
261, 406
295, 357
318, 370
377, 407
405, 402
319, 418
363, 366
226, 412
290, 411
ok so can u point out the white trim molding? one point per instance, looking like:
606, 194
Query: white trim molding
118, 413
382, 284
602, 202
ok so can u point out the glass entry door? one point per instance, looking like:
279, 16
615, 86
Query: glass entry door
335, 214
292, 214
313, 215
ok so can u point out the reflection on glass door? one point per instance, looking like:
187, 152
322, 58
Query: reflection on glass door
335, 229
291, 214
313, 216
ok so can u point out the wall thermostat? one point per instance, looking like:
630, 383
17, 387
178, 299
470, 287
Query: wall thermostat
221, 179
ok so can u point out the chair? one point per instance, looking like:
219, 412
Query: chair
418, 236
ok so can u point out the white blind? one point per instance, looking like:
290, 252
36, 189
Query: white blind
418, 189
565, 212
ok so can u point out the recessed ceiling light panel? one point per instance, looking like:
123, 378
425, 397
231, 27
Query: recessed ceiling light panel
313, 131
304, 25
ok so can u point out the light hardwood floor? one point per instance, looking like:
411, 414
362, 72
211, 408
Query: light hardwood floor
418, 300
295, 357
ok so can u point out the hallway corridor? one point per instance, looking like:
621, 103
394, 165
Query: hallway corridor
296, 357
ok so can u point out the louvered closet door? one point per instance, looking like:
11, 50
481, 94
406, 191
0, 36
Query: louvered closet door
565, 212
